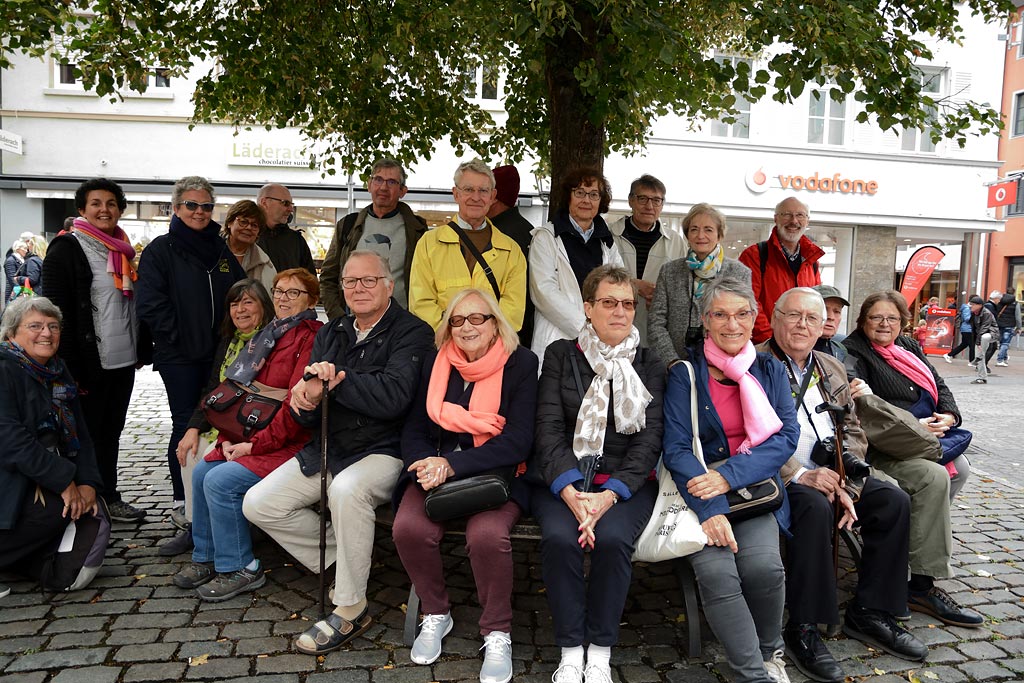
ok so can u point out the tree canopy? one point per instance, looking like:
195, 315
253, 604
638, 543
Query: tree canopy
582, 77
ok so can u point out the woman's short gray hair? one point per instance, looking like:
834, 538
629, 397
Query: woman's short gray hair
722, 286
191, 182
22, 306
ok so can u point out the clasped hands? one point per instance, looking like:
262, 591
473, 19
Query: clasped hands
306, 394
431, 472
588, 507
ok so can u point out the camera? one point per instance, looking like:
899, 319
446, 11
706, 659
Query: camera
824, 452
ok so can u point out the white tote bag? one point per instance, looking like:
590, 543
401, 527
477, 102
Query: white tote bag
673, 529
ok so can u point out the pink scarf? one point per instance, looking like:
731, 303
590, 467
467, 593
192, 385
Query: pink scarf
759, 418
120, 253
482, 419
908, 365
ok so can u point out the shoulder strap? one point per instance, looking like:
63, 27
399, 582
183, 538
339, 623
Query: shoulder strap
464, 238
576, 373
347, 224
762, 252
698, 448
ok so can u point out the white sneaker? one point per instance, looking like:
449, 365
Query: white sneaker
567, 673
776, 668
1002, 363
427, 646
946, 358
597, 674
497, 667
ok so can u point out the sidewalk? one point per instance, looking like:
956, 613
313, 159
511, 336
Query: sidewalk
132, 625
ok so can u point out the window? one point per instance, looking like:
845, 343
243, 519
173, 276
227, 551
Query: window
826, 118
66, 73
740, 128
915, 140
483, 83
1017, 208
1018, 114
159, 77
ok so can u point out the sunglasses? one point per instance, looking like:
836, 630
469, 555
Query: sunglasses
195, 206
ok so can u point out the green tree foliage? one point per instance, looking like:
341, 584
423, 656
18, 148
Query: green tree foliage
583, 77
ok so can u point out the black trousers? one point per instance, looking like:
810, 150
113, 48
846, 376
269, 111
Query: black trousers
184, 383
105, 407
35, 536
582, 609
883, 512
966, 342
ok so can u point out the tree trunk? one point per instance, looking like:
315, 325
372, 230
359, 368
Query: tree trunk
576, 140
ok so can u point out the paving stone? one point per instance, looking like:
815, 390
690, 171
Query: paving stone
347, 659
158, 672
273, 678
691, 674
219, 616
261, 646
21, 628
90, 674
1001, 611
342, 676
137, 621
295, 663
77, 624
23, 613
190, 634
407, 674
156, 652
1010, 629
91, 609
170, 605
212, 649
218, 669
19, 645
945, 674
457, 671
65, 640
985, 671
31, 677
638, 674
934, 636
142, 636
944, 655
59, 659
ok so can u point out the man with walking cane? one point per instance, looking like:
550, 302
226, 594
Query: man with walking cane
367, 364
820, 493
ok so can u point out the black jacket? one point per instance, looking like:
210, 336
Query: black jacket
286, 248
382, 373
181, 302
628, 458
1008, 312
24, 462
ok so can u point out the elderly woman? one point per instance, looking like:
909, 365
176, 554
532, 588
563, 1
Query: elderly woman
12, 265
48, 471
674, 321
898, 372
748, 429
89, 273
474, 414
564, 251
243, 225
273, 354
598, 438
183, 278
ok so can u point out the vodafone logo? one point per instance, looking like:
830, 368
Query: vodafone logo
1000, 194
757, 181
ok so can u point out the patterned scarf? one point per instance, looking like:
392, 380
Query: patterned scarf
613, 366
238, 340
120, 256
759, 418
704, 269
253, 355
62, 394
482, 419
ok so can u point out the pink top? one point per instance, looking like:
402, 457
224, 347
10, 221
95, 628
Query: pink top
726, 399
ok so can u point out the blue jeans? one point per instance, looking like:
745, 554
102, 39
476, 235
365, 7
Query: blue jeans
219, 529
1005, 337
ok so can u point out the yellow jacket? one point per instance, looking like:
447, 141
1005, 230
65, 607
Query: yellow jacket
439, 272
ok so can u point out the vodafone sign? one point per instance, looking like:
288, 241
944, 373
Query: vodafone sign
759, 180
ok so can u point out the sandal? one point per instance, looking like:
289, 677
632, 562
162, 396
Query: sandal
332, 633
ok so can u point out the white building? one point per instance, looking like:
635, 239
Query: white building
871, 194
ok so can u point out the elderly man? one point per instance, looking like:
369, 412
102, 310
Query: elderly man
468, 252
388, 227
788, 258
286, 248
882, 510
370, 361
644, 246
829, 342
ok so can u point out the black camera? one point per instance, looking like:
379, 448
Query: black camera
824, 452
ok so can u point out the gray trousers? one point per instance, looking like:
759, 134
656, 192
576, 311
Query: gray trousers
744, 594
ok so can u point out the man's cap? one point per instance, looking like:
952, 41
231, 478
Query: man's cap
976, 300
830, 292
506, 182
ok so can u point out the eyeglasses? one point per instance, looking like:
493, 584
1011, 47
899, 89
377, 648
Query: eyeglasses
245, 223
368, 281
580, 193
473, 318
290, 294
195, 206
789, 215
483, 191
36, 328
390, 183
287, 203
793, 317
645, 199
879, 319
610, 304
741, 317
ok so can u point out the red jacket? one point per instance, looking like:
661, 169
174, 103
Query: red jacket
283, 437
778, 277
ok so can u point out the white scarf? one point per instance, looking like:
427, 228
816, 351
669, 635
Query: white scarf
613, 366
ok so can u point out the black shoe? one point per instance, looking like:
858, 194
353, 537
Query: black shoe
182, 543
881, 630
937, 603
807, 651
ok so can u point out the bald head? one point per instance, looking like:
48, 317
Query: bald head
276, 202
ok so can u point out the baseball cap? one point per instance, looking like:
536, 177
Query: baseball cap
830, 292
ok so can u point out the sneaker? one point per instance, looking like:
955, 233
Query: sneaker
497, 667
938, 603
567, 673
181, 543
597, 674
946, 358
227, 586
1002, 363
776, 668
809, 654
179, 519
194, 575
980, 380
121, 511
427, 647
973, 363
4, 590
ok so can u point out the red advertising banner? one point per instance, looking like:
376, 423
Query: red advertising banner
1002, 194
940, 331
919, 269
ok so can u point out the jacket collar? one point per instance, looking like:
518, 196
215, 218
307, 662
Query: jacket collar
563, 225
809, 251
499, 240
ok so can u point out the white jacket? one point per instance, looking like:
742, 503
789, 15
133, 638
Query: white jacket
670, 247
554, 290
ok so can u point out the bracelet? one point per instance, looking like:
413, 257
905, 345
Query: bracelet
615, 496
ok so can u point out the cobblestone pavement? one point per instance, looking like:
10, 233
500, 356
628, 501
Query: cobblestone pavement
132, 625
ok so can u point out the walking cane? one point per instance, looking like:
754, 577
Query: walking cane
323, 500
838, 412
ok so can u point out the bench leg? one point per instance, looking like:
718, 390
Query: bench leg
688, 584
412, 615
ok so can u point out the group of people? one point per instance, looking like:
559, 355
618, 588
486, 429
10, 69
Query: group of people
429, 373
989, 325
23, 266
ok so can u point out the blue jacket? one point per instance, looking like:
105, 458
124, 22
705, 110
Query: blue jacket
762, 462
422, 437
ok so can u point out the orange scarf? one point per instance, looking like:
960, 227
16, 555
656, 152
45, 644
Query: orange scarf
482, 419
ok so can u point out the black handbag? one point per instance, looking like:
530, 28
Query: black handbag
464, 497
238, 411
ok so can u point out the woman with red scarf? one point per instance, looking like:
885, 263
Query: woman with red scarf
89, 273
474, 414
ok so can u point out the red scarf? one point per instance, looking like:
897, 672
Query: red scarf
910, 366
482, 419
120, 253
